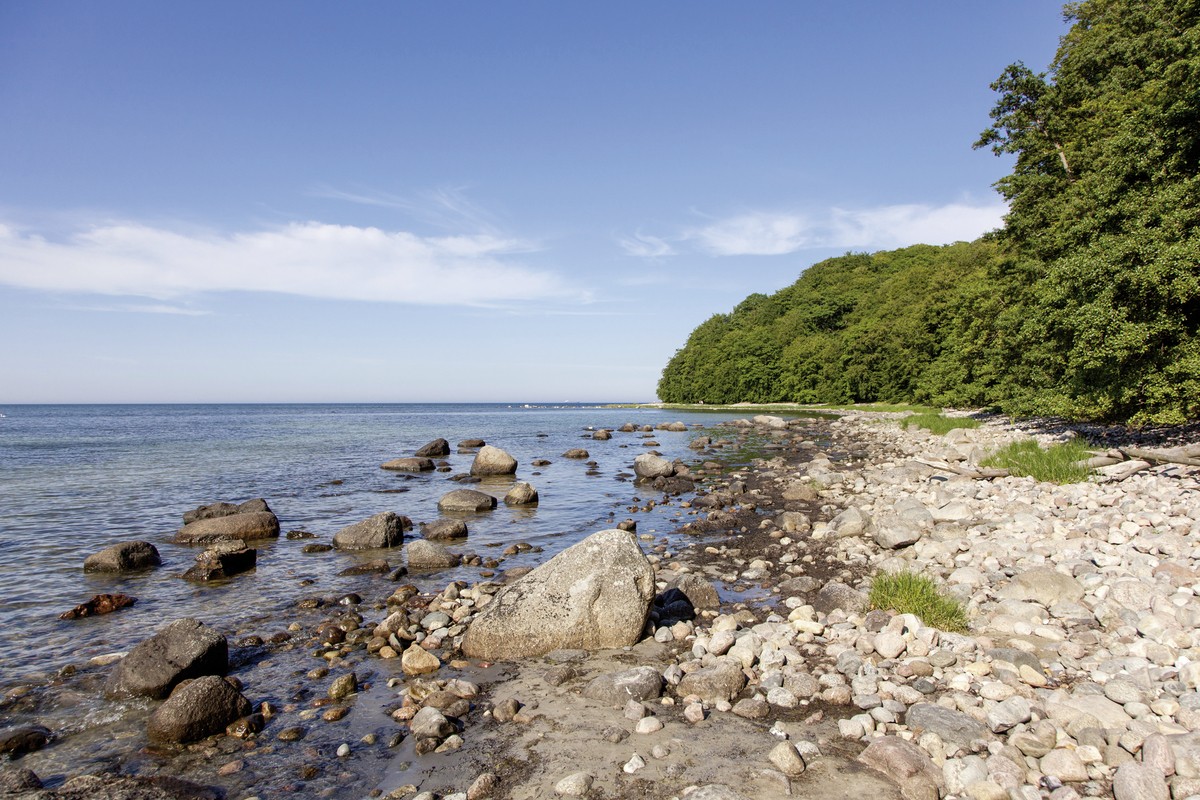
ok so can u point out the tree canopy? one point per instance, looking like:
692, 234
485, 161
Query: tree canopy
1086, 304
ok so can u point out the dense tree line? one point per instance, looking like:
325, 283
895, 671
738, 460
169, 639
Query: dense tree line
1086, 304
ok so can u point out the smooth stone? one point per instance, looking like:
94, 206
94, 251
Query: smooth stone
577, 784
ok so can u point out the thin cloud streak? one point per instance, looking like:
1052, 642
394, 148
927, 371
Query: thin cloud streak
641, 245
310, 259
772, 233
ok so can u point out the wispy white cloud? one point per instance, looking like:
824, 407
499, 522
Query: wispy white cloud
641, 245
310, 259
447, 207
753, 234
760, 233
144, 308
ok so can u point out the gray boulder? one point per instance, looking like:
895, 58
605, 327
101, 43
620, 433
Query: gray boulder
123, 557
522, 494
184, 649
834, 595
953, 727
469, 500
650, 466
444, 529
618, 688
896, 532
593, 595
577, 453
213, 510
722, 681
493, 461
1044, 585
382, 530
408, 465
247, 526
906, 764
424, 554
196, 709
435, 449
222, 560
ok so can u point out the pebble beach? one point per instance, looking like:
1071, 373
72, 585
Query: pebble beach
1076, 675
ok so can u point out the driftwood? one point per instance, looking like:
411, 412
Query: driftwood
1132, 460
964, 470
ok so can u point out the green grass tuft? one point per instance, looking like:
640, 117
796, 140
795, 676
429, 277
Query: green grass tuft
938, 424
909, 593
1056, 465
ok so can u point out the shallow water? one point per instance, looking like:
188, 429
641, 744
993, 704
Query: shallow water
79, 478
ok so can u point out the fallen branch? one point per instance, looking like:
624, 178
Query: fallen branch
965, 471
1188, 456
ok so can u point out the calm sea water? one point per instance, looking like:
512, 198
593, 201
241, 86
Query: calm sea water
75, 479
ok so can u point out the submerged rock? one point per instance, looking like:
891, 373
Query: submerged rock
435, 449
100, 604
468, 500
409, 465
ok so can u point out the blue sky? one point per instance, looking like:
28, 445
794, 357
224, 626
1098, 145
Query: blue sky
465, 201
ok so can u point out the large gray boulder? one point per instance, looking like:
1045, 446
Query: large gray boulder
493, 461
650, 466
382, 530
593, 595
247, 526
123, 557
469, 500
196, 709
184, 649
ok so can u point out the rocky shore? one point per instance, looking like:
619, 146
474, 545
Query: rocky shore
755, 668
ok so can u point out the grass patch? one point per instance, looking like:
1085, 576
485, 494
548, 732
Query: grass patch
1056, 465
938, 424
886, 408
909, 593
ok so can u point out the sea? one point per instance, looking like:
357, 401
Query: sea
77, 478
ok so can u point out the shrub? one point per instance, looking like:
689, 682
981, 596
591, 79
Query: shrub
909, 593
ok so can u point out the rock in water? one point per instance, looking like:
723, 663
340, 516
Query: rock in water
197, 709
247, 526
123, 557
223, 560
493, 461
184, 649
649, 466
435, 449
213, 510
382, 530
409, 465
522, 494
23, 739
444, 529
424, 554
100, 604
466, 500
593, 595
